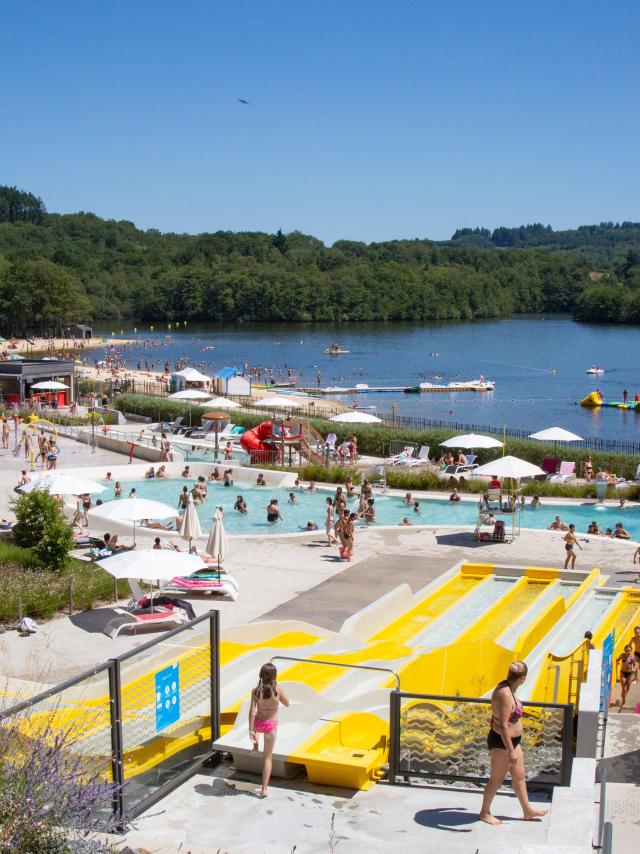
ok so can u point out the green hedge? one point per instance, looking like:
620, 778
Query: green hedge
375, 440
43, 593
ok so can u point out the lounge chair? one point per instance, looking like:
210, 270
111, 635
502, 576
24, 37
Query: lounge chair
566, 472
402, 457
470, 464
163, 617
421, 458
205, 581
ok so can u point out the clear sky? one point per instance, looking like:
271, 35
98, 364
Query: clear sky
369, 119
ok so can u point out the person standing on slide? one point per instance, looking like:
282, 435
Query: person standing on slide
263, 717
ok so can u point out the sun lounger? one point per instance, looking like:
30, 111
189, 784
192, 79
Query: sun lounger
420, 459
402, 457
206, 583
163, 617
566, 472
470, 463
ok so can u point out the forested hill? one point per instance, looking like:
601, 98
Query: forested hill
55, 269
598, 245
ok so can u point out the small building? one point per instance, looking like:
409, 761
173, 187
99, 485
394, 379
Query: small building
17, 378
231, 381
78, 330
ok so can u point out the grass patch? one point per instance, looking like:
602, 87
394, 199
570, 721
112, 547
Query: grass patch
42, 593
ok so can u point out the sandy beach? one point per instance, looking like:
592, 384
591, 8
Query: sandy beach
43, 345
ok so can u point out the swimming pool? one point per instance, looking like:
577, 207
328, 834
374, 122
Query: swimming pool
310, 506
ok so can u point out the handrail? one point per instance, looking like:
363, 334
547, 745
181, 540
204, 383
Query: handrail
602, 809
339, 664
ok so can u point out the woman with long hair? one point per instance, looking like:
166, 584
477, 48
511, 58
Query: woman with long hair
328, 525
263, 717
503, 742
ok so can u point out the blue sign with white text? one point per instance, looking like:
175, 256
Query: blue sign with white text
607, 671
167, 696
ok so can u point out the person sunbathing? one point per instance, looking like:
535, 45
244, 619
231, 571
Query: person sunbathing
158, 526
111, 543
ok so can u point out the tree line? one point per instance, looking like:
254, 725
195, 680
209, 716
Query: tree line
77, 267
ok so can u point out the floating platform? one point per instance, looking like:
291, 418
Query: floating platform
594, 399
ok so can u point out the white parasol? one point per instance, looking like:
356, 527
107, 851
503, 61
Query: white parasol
276, 402
472, 440
190, 527
511, 467
356, 417
132, 510
151, 564
50, 385
190, 394
217, 542
61, 483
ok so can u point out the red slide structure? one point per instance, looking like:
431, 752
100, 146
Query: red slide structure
265, 445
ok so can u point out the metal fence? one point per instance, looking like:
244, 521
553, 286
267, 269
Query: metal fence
441, 737
144, 721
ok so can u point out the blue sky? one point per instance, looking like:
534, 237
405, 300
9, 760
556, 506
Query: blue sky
368, 120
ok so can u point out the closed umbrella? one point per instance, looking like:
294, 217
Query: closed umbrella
132, 510
510, 467
356, 417
190, 526
61, 483
217, 542
555, 435
471, 441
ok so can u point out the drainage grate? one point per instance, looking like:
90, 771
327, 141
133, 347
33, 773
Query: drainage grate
623, 808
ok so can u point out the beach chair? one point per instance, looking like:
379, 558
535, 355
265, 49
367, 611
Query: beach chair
494, 494
566, 472
421, 458
207, 582
176, 429
470, 464
399, 459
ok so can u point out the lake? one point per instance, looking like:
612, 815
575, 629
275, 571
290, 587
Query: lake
538, 364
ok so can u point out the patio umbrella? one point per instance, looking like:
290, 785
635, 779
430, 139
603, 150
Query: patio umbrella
356, 417
50, 385
151, 564
277, 402
217, 542
217, 418
510, 467
132, 510
555, 435
222, 403
61, 483
471, 441
190, 394
190, 526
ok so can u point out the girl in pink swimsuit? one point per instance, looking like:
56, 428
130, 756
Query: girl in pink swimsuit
263, 717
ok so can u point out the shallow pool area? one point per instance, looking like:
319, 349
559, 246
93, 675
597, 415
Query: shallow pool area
390, 510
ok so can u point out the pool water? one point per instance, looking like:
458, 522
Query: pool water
310, 506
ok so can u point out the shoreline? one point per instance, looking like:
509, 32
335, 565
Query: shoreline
35, 346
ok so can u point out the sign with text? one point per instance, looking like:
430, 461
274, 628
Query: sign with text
167, 696
607, 671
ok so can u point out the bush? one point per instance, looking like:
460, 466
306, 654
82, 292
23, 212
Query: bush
28, 589
50, 797
41, 528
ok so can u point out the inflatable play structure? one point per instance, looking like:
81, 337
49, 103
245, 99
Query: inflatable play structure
594, 399
268, 442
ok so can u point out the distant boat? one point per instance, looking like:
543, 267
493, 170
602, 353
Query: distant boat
335, 350
595, 369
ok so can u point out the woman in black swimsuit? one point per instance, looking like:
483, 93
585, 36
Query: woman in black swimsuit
503, 742
628, 669
273, 511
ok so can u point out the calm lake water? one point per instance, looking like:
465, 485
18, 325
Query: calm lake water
538, 364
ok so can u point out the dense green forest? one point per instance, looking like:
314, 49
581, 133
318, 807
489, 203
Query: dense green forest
598, 245
56, 269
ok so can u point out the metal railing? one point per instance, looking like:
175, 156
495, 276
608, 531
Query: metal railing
120, 719
339, 664
443, 737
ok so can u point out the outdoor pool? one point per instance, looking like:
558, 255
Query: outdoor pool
310, 506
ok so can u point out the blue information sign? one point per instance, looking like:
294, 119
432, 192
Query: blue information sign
167, 696
607, 671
